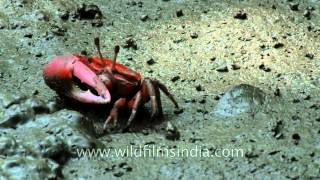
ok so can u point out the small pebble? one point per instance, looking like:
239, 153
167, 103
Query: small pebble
28, 35
118, 174
277, 92
144, 18
294, 6
59, 31
175, 78
264, 68
296, 138
213, 59
241, 15
130, 43
295, 117
194, 35
199, 88
151, 61
296, 101
172, 132
307, 14
64, 16
39, 55
179, 13
89, 12
223, 69
310, 55
278, 45
235, 67
140, 4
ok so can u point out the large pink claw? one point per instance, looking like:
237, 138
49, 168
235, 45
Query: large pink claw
62, 73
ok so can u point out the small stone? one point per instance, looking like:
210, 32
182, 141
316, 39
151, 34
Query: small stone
310, 8
294, 6
308, 97
194, 35
118, 174
140, 4
28, 35
295, 117
131, 3
144, 18
223, 69
296, 100
129, 58
64, 16
199, 88
175, 78
43, 17
151, 61
264, 68
172, 132
35, 92
202, 101
278, 45
262, 46
241, 15
277, 92
235, 67
179, 13
178, 40
130, 43
59, 31
89, 12
310, 56
296, 138
213, 59
39, 54
307, 14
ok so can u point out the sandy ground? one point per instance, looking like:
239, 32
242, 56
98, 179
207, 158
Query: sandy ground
200, 51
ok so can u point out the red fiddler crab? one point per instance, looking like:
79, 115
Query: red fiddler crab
99, 80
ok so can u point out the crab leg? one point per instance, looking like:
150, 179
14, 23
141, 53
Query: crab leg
153, 97
166, 92
136, 104
114, 112
158, 96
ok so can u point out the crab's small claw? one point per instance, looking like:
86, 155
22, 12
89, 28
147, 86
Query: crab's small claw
62, 73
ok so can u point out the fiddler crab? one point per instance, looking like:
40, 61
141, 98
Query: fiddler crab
99, 80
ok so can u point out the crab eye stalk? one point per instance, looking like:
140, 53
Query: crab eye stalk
97, 44
116, 51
